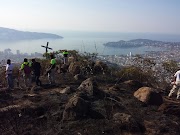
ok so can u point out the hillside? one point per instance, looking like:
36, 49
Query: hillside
104, 101
7, 34
140, 42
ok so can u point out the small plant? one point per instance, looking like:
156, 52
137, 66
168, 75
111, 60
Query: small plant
170, 66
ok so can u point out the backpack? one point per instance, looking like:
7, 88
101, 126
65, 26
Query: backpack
27, 69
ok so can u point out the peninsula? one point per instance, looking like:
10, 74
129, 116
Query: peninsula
7, 34
140, 42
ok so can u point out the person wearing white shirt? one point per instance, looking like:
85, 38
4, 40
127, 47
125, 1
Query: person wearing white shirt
9, 69
176, 85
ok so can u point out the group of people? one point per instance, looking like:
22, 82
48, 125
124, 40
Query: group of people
32, 70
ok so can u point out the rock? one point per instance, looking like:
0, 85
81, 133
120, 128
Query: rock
76, 108
170, 108
71, 59
127, 122
132, 84
89, 86
148, 95
89, 89
78, 77
66, 90
64, 68
97, 110
122, 118
8, 108
74, 68
99, 67
161, 126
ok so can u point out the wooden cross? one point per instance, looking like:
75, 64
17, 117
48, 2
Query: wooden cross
46, 47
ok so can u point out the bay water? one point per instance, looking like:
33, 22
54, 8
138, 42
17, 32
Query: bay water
87, 42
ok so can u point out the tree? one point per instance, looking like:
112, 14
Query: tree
170, 66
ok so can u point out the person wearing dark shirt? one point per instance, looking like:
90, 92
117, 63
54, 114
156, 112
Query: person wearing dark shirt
36, 68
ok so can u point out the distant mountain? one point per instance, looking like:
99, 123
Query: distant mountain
7, 34
138, 43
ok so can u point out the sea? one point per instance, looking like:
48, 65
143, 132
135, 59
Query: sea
89, 42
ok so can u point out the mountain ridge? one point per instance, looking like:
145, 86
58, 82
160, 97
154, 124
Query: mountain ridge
139, 43
12, 34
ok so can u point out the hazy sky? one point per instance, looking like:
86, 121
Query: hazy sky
157, 16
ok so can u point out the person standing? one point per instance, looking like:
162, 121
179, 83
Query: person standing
65, 55
26, 68
176, 85
51, 70
9, 76
36, 68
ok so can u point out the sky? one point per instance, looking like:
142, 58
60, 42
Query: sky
145, 16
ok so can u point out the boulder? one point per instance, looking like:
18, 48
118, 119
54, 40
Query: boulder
170, 108
74, 68
99, 67
89, 86
127, 122
71, 59
76, 108
149, 96
97, 110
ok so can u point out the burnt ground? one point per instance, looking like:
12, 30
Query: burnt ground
63, 109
